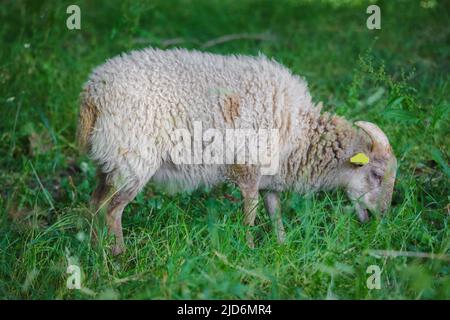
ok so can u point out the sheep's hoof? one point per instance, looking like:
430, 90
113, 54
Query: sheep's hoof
363, 215
281, 238
117, 250
250, 242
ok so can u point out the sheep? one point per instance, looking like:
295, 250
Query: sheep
133, 103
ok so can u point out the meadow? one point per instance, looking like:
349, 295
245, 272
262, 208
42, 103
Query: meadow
192, 246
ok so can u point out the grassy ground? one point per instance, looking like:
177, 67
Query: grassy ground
193, 245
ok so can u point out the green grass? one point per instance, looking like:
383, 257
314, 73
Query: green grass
193, 245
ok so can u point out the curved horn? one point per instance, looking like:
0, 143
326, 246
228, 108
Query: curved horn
380, 142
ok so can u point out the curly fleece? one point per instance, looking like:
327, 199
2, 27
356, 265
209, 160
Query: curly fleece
132, 103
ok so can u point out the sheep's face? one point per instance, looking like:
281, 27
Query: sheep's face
370, 186
371, 179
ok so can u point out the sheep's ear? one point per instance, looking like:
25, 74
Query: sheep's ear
360, 159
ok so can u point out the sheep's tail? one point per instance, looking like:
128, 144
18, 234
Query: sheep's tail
86, 121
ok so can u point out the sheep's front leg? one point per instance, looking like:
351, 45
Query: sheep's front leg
250, 206
247, 177
272, 204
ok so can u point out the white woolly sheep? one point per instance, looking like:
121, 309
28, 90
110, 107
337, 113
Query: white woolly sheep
132, 105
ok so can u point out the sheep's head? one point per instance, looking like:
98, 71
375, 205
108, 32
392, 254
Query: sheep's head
370, 182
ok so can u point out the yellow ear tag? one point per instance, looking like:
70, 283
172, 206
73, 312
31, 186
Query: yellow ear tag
360, 158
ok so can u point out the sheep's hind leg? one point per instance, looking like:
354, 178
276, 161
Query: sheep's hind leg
114, 201
114, 216
272, 204
99, 200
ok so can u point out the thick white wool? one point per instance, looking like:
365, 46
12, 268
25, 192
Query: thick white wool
143, 96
